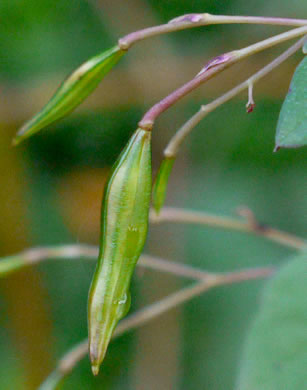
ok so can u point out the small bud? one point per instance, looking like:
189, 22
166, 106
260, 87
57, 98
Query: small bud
250, 105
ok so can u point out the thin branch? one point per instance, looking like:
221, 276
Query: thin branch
215, 66
251, 225
195, 20
172, 148
31, 256
143, 316
172, 267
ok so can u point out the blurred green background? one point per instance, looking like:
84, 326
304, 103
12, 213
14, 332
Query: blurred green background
51, 186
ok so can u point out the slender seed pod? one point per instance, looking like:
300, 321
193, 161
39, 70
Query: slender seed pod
160, 186
71, 92
124, 224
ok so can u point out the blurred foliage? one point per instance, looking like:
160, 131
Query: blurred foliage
47, 36
53, 183
88, 140
238, 169
276, 351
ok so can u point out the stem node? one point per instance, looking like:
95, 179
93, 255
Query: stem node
146, 125
123, 45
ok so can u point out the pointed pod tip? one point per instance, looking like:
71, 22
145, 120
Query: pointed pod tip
95, 358
95, 369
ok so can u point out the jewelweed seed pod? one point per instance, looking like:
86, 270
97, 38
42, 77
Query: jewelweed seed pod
160, 186
71, 92
124, 224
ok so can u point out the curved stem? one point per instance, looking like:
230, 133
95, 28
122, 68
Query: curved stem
196, 20
251, 225
143, 316
172, 148
18, 261
214, 67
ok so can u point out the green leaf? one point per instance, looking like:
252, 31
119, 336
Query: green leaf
292, 122
275, 356
160, 186
71, 92
305, 47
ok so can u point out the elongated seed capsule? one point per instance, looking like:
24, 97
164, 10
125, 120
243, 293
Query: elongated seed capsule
71, 92
160, 185
124, 224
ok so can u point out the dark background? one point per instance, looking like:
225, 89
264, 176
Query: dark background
51, 186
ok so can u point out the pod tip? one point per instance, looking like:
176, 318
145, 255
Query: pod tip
95, 368
95, 361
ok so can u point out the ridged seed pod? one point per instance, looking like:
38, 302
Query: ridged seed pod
124, 225
71, 92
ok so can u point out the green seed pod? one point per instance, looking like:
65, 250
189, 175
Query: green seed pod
160, 186
124, 225
71, 92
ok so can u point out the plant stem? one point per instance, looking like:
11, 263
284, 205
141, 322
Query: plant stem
215, 66
31, 256
195, 20
172, 267
143, 316
251, 225
36, 255
172, 148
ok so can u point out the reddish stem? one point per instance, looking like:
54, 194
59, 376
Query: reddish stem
219, 64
